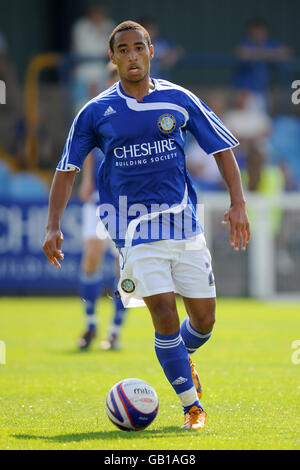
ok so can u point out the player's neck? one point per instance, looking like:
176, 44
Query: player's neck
138, 90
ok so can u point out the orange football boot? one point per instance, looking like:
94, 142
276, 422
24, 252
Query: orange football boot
196, 379
195, 418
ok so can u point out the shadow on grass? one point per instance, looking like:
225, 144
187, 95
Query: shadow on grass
90, 351
77, 437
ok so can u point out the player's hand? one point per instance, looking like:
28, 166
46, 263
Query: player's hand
237, 217
52, 247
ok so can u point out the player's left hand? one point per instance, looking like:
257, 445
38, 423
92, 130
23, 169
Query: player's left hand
237, 217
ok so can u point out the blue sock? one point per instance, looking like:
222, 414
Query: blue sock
173, 357
89, 291
192, 338
119, 316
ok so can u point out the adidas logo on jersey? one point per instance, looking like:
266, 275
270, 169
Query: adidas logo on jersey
109, 111
179, 381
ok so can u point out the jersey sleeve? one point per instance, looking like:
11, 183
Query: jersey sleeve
81, 140
209, 131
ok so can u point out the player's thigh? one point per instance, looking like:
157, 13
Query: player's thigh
89, 221
192, 272
148, 268
145, 272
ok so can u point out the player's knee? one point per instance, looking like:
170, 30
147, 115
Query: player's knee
208, 322
204, 322
165, 319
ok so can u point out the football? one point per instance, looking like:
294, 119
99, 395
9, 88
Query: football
132, 404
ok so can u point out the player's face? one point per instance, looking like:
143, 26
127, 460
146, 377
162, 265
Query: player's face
132, 55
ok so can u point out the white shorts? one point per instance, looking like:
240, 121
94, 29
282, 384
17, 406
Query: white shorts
180, 266
89, 221
93, 228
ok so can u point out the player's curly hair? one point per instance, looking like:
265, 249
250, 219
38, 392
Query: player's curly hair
127, 26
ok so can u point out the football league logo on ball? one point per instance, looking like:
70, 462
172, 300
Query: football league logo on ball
128, 286
166, 123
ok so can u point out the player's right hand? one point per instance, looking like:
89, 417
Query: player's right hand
52, 247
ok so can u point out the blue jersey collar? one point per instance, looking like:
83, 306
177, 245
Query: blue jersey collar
124, 95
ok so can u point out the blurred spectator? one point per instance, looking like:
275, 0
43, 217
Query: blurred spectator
8, 74
251, 127
166, 52
256, 53
285, 149
202, 168
10, 112
45, 142
90, 37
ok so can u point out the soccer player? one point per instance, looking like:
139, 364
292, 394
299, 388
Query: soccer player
140, 124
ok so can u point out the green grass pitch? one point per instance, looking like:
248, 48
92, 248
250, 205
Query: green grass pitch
53, 396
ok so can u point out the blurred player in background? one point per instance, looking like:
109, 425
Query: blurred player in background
167, 53
256, 53
252, 127
99, 252
141, 124
89, 39
99, 257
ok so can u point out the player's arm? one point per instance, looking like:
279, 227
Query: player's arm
60, 194
212, 135
80, 142
236, 216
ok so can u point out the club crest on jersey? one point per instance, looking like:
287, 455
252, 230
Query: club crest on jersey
166, 123
128, 286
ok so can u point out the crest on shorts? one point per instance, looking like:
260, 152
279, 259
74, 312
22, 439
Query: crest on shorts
211, 279
128, 286
166, 123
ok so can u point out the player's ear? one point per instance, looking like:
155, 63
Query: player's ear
151, 49
112, 58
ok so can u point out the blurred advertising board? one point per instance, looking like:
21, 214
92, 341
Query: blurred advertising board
24, 269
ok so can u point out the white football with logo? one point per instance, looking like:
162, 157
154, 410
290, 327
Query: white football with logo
132, 404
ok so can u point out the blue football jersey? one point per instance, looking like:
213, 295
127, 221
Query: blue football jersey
146, 193
98, 158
